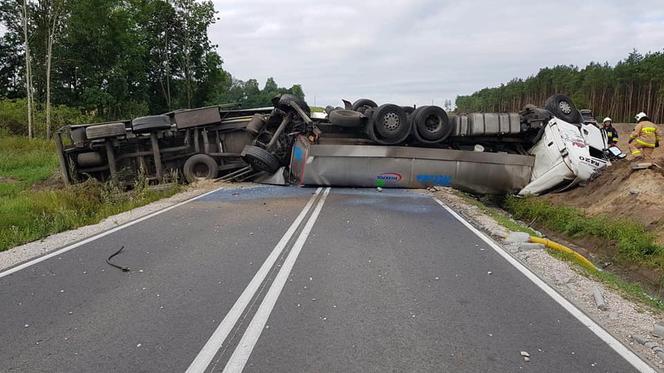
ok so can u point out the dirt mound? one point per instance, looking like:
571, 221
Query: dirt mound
619, 191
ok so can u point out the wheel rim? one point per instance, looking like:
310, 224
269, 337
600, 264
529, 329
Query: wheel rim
432, 123
391, 122
201, 171
565, 107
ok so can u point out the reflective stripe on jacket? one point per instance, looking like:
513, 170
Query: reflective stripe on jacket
612, 134
646, 133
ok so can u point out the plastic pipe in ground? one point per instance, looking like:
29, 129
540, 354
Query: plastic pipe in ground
564, 249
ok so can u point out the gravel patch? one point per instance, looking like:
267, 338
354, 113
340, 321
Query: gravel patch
629, 322
20, 254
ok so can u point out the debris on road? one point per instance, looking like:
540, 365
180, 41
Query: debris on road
658, 330
108, 261
599, 299
628, 321
520, 237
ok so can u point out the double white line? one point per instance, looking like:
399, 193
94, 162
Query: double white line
241, 354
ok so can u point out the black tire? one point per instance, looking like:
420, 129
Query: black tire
346, 118
391, 123
283, 102
151, 123
432, 123
408, 109
329, 109
413, 128
562, 107
200, 167
260, 159
363, 104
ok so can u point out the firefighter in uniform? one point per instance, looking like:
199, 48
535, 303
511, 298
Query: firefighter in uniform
611, 133
645, 138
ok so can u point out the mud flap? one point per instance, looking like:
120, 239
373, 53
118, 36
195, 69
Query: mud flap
276, 178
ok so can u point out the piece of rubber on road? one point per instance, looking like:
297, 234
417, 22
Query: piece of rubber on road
346, 118
108, 261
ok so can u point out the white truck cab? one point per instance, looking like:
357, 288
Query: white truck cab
566, 155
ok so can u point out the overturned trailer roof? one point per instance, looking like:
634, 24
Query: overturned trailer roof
408, 167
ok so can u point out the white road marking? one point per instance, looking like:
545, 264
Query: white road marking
217, 339
618, 347
100, 235
243, 350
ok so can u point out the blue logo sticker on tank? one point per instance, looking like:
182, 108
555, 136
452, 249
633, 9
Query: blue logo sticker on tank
439, 180
298, 153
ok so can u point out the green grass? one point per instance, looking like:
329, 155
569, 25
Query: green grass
30, 212
634, 243
498, 215
630, 290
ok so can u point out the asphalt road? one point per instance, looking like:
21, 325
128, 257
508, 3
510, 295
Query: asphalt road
273, 279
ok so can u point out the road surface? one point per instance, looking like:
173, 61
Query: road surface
274, 279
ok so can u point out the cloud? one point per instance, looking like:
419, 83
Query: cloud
419, 51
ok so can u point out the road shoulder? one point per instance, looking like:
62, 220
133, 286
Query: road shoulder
629, 322
19, 254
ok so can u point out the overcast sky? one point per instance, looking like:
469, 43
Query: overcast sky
413, 52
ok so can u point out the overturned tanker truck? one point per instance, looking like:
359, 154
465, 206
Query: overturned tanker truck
360, 145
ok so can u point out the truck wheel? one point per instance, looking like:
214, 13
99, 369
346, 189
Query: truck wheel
260, 159
362, 104
432, 123
200, 167
151, 123
408, 109
562, 107
346, 118
391, 123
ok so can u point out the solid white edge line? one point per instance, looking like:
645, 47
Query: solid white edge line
100, 235
216, 340
605, 336
243, 350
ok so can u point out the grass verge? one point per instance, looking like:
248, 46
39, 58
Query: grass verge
634, 243
630, 290
30, 210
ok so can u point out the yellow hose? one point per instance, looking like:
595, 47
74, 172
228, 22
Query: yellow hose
585, 263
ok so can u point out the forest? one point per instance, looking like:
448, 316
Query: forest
71, 61
634, 84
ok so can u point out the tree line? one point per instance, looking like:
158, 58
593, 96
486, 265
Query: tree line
633, 85
114, 59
